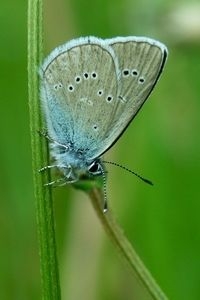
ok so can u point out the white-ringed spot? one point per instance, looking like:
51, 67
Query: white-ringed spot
109, 98
86, 101
134, 73
94, 75
70, 88
100, 93
126, 72
57, 86
95, 127
77, 79
85, 75
141, 80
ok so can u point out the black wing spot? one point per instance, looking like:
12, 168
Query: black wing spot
141, 80
95, 127
100, 93
77, 79
70, 88
86, 75
134, 73
126, 72
109, 98
94, 75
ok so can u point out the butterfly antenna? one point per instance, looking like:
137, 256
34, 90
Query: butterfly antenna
105, 205
130, 171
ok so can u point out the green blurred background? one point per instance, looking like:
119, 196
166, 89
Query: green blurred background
162, 143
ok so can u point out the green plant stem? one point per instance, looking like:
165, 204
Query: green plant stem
44, 204
125, 248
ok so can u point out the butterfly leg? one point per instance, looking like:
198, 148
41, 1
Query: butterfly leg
44, 134
68, 178
52, 183
60, 182
66, 181
54, 142
47, 168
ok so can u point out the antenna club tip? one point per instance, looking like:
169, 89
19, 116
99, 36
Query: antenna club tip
105, 209
148, 181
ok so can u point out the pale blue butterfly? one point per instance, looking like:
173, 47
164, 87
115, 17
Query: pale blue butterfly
91, 89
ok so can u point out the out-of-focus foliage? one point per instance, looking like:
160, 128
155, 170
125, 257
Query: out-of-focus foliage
162, 143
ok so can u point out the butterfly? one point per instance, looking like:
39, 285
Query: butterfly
91, 89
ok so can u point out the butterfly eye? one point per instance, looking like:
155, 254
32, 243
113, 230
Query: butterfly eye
95, 168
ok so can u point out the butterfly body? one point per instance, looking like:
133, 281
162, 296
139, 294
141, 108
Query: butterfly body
91, 89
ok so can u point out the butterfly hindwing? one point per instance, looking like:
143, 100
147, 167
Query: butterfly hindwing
140, 63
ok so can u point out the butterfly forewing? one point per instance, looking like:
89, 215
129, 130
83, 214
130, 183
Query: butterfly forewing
81, 85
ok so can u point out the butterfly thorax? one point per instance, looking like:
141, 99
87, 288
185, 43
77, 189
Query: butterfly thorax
73, 163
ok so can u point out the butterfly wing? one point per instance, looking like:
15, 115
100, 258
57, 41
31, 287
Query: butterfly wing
92, 89
140, 63
79, 84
